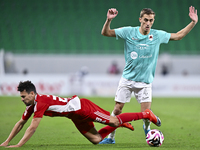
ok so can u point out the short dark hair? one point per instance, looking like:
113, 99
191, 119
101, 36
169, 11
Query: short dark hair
26, 85
147, 11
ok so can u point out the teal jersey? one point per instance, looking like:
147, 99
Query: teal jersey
141, 52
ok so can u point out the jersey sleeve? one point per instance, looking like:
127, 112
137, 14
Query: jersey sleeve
122, 32
164, 36
39, 110
28, 112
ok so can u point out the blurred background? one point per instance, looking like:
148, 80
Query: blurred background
58, 45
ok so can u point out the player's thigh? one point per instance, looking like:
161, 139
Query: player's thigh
143, 95
124, 91
83, 126
93, 136
87, 129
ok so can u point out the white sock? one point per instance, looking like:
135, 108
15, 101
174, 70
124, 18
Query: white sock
147, 124
112, 135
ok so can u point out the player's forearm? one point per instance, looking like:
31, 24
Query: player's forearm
106, 27
182, 33
28, 134
18, 126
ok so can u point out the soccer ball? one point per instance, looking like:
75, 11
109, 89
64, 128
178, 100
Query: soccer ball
154, 138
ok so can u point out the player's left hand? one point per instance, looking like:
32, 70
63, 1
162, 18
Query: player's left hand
13, 146
193, 14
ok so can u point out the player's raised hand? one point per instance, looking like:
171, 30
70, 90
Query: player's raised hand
112, 13
193, 14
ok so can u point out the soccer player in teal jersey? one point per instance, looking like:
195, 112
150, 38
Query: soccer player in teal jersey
141, 49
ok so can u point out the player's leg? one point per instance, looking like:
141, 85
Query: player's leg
123, 95
147, 114
88, 130
84, 118
111, 137
144, 97
118, 121
147, 123
123, 118
95, 137
118, 108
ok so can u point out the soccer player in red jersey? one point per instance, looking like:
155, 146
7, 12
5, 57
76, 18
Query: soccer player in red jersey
82, 112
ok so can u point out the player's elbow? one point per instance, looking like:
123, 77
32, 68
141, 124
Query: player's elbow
109, 33
104, 33
179, 37
176, 37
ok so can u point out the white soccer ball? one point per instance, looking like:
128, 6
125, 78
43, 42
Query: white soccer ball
154, 138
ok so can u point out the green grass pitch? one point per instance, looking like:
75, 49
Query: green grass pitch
180, 126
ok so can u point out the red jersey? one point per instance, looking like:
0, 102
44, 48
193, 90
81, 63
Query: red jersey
50, 105
82, 111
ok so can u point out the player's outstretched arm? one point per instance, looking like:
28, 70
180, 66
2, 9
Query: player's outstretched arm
182, 33
18, 126
106, 31
29, 132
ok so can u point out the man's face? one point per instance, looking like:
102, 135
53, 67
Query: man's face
28, 99
146, 22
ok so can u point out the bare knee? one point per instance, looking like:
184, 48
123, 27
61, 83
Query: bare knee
96, 141
93, 136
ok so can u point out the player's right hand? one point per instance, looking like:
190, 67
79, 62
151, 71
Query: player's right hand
193, 14
112, 13
4, 144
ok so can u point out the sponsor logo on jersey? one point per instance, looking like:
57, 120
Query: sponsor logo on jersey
134, 38
134, 55
142, 46
145, 56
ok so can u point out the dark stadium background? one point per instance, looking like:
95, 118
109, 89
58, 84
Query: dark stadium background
74, 26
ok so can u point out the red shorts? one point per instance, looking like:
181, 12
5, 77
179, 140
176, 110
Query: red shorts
89, 113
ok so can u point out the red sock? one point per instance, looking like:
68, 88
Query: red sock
106, 130
126, 117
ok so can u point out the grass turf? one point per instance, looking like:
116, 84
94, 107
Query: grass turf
180, 126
